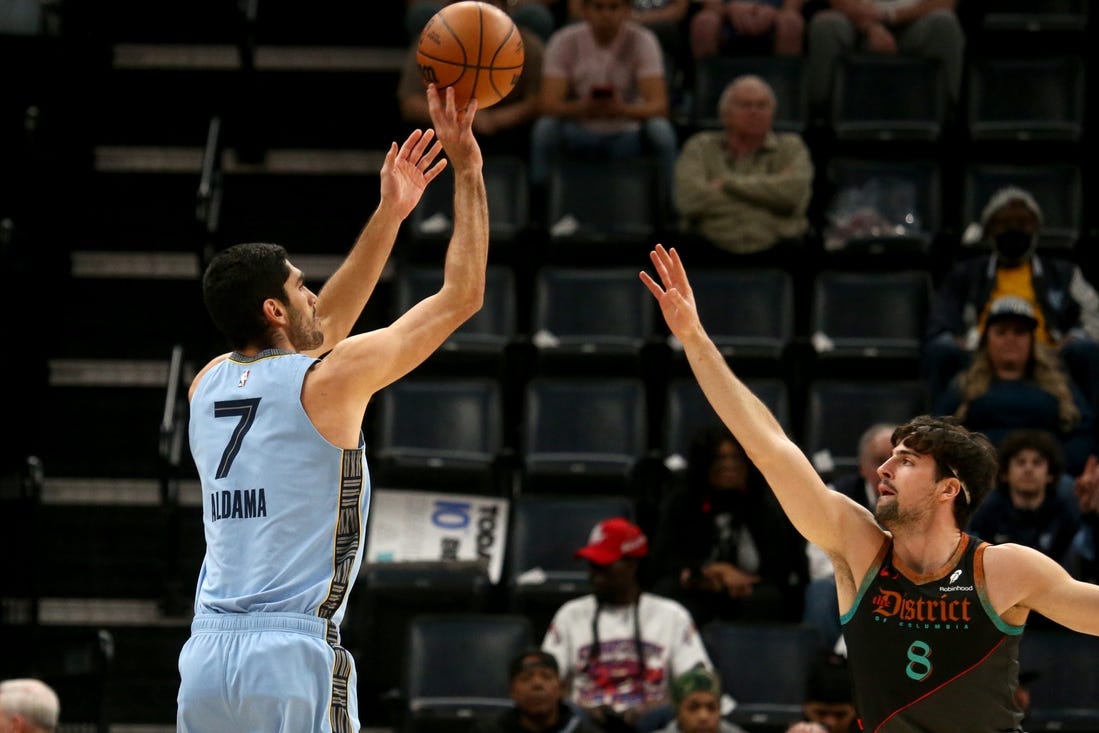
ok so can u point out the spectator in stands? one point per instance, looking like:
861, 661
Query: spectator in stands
665, 18
1015, 382
747, 27
821, 604
28, 706
1065, 303
744, 188
696, 699
620, 647
537, 16
1027, 508
829, 702
502, 129
1085, 548
603, 93
724, 548
535, 688
927, 28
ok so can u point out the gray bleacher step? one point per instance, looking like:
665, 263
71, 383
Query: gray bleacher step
115, 492
152, 56
98, 265
108, 373
105, 612
181, 159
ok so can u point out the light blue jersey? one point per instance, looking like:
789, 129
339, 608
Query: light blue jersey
285, 515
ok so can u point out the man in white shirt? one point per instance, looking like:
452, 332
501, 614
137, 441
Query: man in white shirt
619, 647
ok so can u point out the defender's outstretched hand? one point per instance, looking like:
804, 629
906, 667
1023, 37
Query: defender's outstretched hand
407, 171
673, 293
454, 127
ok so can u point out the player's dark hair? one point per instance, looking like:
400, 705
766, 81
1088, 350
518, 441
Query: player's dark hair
959, 453
237, 282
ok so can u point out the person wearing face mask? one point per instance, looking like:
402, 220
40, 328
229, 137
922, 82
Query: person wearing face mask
1066, 305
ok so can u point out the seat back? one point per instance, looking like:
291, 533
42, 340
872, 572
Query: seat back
785, 75
379, 616
1026, 99
589, 316
582, 433
749, 313
598, 204
686, 411
1050, 17
769, 694
508, 191
481, 343
878, 97
458, 663
869, 316
839, 411
434, 432
1065, 694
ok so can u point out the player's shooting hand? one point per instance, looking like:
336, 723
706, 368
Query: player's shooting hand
454, 127
673, 293
407, 170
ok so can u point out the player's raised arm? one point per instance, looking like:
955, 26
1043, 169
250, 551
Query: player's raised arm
405, 174
822, 516
361, 365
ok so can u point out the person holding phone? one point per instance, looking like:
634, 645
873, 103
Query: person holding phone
603, 92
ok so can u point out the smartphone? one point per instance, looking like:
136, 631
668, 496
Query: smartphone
602, 91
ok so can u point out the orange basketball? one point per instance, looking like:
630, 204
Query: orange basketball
473, 47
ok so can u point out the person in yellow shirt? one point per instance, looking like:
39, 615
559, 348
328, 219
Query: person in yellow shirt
1065, 304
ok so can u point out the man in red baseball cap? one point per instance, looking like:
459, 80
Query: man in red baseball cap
619, 647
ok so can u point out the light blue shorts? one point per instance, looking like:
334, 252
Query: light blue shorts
265, 672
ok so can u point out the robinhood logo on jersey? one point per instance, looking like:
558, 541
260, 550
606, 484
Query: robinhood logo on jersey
951, 588
939, 612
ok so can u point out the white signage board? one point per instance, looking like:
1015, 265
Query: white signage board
410, 525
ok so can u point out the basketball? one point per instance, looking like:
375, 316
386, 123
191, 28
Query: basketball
473, 47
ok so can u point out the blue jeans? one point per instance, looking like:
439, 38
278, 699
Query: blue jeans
551, 136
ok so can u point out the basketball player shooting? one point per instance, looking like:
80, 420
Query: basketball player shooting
932, 616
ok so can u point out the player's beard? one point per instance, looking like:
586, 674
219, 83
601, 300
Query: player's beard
890, 515
304, 333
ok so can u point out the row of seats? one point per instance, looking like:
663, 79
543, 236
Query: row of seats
439, 692
1009, 98
588, 434
868, 205
579, 316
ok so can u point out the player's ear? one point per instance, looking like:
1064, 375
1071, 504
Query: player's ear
274, 311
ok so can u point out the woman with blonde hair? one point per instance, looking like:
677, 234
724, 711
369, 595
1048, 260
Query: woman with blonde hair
1015, 383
